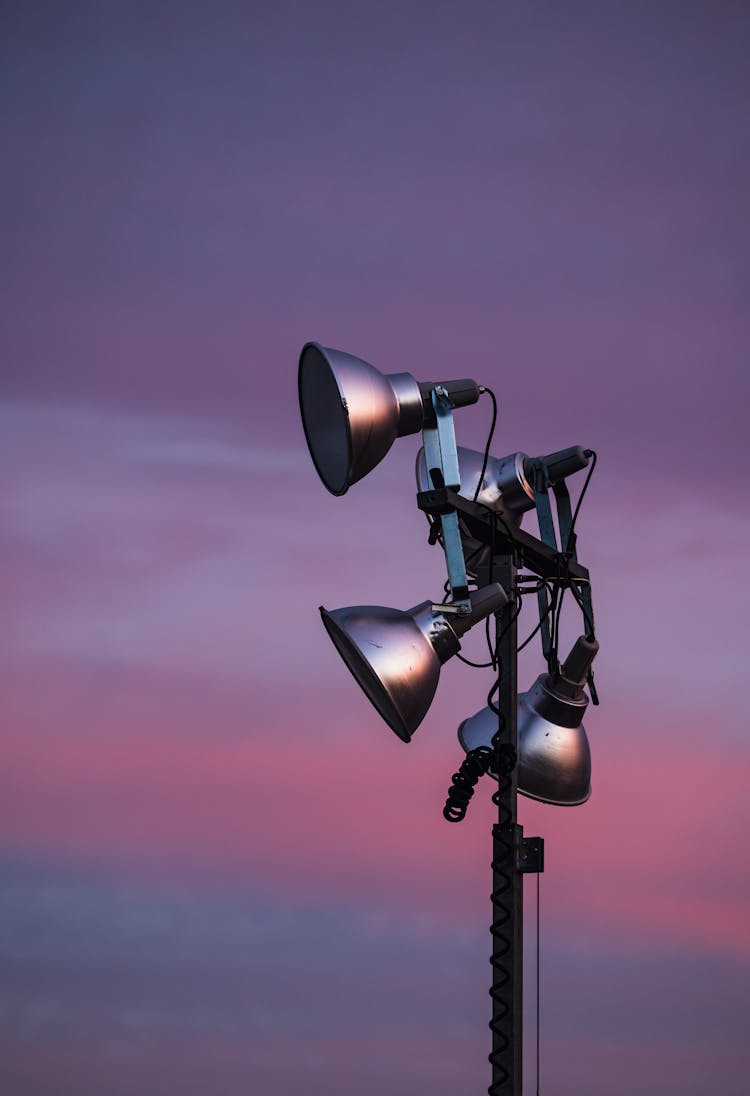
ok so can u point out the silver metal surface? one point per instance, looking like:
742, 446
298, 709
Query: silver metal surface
437, 630
395, 656
504, 486
352, 413
392, 659
410, 405
504, 489
577, 666
489, 599
508, 476
554, 759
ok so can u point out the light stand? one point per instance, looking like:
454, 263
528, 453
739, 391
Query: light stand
507, 881
352, 414
513, 855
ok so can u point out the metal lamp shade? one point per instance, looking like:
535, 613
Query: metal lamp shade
352, 413
391, 658
554, 759
396, 656
504, 487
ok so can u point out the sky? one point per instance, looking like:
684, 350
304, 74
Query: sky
219, 870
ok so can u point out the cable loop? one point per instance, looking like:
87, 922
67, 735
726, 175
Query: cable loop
476, 763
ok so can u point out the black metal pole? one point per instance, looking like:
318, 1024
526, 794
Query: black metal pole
507, 879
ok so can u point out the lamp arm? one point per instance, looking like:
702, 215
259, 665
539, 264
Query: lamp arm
441, 459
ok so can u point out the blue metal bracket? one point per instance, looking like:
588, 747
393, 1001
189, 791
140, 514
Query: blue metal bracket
441, 458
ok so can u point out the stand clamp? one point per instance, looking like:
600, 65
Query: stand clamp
530, 856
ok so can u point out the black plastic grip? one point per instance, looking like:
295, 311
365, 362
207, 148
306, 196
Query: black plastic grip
565, 462
462, 392
578, 663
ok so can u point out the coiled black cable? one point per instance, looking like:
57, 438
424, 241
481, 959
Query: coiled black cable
463, 783
501, 757
504, 760
501, 950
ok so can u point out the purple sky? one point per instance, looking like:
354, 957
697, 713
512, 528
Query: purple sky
219, 871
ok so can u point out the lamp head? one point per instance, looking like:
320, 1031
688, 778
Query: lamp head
352, 413
395, 656
554, 759
505, 488
508, 482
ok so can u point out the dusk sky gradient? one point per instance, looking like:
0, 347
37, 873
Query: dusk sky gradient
220, 872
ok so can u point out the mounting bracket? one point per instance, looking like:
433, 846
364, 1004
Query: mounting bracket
530, 855
441, 458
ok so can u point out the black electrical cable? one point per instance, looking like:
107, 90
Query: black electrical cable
551, 613
514, 617
486, 457
553, 659
475, 665
531, 635
538, 982
488, 639
493, 513
495, 516
476, 763
490, 576
495, 650
587, 619
571, 535
493, 663
539, 625
563, 583
467, 560
511, 621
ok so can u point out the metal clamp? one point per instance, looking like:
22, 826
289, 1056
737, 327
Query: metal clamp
530, 856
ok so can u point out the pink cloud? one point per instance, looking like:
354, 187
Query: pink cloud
294, 817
